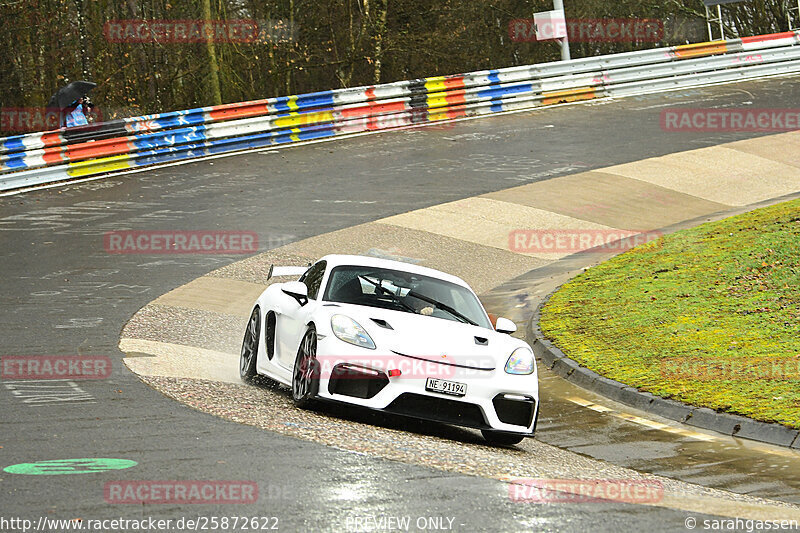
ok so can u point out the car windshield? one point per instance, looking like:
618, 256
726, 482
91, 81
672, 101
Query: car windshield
404, 291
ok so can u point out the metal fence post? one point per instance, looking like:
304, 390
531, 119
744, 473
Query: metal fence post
565, 54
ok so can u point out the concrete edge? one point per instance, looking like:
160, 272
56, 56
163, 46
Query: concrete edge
701, 417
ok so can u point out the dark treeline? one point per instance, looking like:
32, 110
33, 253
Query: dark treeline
303, 45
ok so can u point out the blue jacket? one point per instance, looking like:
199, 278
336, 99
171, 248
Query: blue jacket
76, 117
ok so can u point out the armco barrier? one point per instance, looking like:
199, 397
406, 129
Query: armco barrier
64, 154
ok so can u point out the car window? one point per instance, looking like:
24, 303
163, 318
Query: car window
403, 291
313, 279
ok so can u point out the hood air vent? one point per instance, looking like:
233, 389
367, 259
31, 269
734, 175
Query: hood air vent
382, 323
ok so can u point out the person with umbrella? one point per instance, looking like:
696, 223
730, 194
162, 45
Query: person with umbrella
76, 117
71, 103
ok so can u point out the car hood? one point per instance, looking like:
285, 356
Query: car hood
432, 339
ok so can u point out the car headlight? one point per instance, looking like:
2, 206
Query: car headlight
348, 330
521, 362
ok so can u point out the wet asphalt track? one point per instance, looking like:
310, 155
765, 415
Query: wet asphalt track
64, 295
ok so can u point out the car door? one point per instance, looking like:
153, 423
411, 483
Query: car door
290, 324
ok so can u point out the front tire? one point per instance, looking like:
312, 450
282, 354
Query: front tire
305, 376
501, 439
249, 353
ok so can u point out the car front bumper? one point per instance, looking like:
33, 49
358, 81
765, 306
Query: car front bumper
494, 400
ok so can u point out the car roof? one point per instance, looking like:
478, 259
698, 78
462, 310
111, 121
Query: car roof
335, 260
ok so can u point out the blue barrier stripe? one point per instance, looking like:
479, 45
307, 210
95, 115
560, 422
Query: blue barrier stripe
13, 144
169, 138
239, 144
166, 156
324, 98
187, 119
505, 90
281, 104
316, 134
16, 162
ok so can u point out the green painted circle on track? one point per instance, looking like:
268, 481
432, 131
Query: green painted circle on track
69, 466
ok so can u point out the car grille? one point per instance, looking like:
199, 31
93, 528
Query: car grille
515, 412
439, 409
348, 380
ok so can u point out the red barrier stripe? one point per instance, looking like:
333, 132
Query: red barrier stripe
770, 37
456, 82
457, 113
54, 155
370, 94
456, 97
89, 150
373, 108
234, 105
372, 124
50, 139
229, 112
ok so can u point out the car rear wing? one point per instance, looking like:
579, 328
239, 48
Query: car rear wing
281, 271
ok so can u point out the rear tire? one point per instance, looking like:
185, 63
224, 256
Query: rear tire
305, 376
501, 439
249, 353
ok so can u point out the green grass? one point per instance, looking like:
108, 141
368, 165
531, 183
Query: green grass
709, 316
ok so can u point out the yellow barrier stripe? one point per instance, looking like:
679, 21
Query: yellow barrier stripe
433, 116
97, 166
439, 100
570, 95
303, 119
292, 103
435, 84
701, 49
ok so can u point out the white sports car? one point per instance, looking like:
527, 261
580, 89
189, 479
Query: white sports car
394, 337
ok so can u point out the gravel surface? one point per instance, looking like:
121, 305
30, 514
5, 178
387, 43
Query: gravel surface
269, 406
191, 327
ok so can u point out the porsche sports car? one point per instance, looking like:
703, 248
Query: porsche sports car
395, 337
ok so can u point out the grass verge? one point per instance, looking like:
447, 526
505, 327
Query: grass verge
709, 316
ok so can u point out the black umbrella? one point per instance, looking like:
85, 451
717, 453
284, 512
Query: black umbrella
66, 95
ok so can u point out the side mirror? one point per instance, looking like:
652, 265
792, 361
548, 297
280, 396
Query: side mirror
297, 290
504, 325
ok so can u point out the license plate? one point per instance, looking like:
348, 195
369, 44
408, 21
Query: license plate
452, 388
